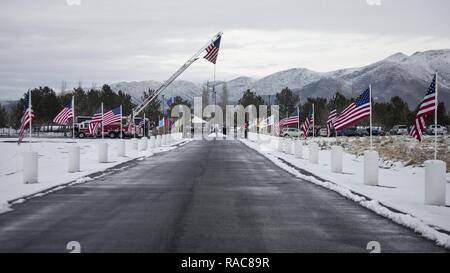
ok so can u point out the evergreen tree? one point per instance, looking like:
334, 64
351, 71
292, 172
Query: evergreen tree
287, 102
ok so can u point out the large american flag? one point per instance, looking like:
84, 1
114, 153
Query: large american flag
212, 51
95, 121
357, 110
113, 115
64, 115
305, 126
27, 117
331, 118
427, 106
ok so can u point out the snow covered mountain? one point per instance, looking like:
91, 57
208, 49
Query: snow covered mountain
397, 75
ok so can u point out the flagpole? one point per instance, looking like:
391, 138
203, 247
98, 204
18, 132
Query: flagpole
370, 126
314, 121
31, 117
121, 125
144, 126
435, 117
298, 123
102, 123
73, 118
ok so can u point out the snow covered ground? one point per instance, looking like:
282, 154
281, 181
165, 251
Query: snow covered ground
400, 195
52, 164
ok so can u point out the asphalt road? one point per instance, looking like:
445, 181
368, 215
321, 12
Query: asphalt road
206, 196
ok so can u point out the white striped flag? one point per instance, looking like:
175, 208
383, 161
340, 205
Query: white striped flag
305, 126
357, 110
113, 115
331, 118
95, 121
427, 106
212, 51
64, 115
27, 117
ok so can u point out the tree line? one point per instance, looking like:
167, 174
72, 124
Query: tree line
47, 103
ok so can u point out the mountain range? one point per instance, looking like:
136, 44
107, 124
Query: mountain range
397, 75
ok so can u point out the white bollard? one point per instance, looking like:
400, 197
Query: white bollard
73, 159
163, 140
313, 153
288, 146
30, 167
103, 152
279, 144
134, 144
121, 149
298, 150
336, 159
435, 182
371, 168
283, 144
158, 141
292, 143
152, 142
144, 144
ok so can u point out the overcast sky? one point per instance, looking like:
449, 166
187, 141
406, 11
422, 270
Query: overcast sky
43, 42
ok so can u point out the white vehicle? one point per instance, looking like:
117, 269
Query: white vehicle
399, 130
441, 130
289, 132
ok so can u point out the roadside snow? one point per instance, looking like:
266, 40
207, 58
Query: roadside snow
401, 188
52, 164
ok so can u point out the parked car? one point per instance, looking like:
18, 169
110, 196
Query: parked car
362, 132
290, 132
399, 130
378, 132
323, 132
441, 130
349, 131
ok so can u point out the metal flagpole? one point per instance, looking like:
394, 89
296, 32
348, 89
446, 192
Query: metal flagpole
370, 126
31, 117
121, 125
144, 126
314, 121
73, 118
435, 117
298, 123
102, 123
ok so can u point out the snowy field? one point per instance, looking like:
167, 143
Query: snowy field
399, 196
52, 164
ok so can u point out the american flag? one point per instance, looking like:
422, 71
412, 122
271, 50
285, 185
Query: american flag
113, 115
130, 125
212, 51
357, 110
331, 118
95, 121
141, 124
64, 115
305, 126
27, 116
427, 106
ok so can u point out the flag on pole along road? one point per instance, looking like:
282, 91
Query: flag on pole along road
27, 116
212, 51
64, 115
331, 118
130, 124
113, 115
427, 106
305, 126
357, 110
95, 121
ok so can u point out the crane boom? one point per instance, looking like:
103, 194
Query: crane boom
185, 66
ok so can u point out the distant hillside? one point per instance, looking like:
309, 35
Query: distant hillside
397, 75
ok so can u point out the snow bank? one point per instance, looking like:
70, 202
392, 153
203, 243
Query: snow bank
52, 165
399, 197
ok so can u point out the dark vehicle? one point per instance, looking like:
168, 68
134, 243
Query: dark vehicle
349, 131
